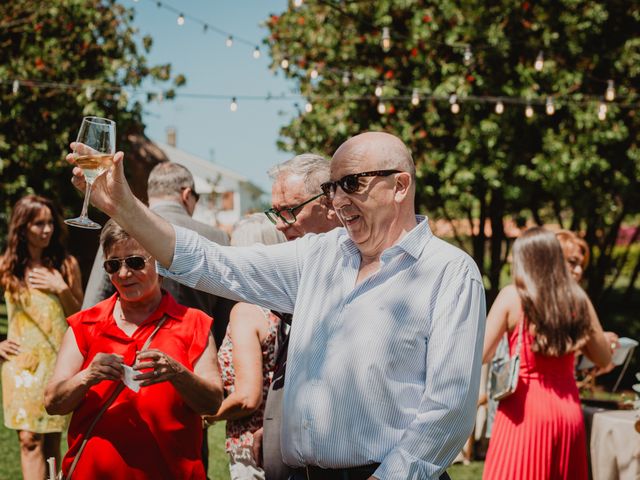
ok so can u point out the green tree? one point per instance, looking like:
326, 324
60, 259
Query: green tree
89, 46
477, 166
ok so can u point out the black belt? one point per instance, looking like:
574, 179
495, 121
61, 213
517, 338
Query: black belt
351, 473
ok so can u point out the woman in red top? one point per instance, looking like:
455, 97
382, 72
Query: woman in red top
155, 432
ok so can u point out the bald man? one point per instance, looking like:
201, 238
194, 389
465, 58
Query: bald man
388, 320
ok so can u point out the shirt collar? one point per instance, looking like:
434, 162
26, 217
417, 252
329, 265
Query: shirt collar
168, 306
412, 243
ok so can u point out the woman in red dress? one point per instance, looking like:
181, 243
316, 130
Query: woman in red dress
539, 431
154, 432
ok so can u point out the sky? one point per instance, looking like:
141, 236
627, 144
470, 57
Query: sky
244, 140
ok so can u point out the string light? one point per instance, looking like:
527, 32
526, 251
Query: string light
284, 63
234, 105
229, 41
467, 57
386, 39
15, 86
382, 108
297, 3
415, 98
256, 52
528, 111
539, 63
499, 107
345, 78
89, 91
308, 107
180, 20
602, 111
313, 74
549, 106
378, 90
453, 100
610, 93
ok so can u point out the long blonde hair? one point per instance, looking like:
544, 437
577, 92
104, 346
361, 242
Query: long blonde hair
551, 299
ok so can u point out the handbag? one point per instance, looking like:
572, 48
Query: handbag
106, 405
505, 372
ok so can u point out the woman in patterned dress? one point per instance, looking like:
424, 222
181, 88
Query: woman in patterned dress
247, 357
42, 286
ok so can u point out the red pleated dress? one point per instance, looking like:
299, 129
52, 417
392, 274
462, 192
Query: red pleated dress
539, 431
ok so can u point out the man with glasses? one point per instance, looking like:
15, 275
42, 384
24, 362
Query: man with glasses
298, 207
388, 320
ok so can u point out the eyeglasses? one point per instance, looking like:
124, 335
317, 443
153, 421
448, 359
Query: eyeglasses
134, 262
351, 183
287, 215
193, 192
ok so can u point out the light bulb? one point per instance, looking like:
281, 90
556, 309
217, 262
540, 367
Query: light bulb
15, 86
234, 105
467, 57
610, 93
308, 107
386, 39
539, 63
499, 107
602, 111
415, 98
313, 73
345, 78
256, 53
378, 90
229, 41
550, 107
381, 108
180, 19
528, 111
284, 63
297, 3
89, 91
453, 100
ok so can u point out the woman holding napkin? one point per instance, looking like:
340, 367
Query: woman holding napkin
148, 427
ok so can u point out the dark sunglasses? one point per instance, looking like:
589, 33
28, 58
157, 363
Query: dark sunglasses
134, 262
287, 215
351, 183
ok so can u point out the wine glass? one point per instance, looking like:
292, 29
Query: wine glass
93, 153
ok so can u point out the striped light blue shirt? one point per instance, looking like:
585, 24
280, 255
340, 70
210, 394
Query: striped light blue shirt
383, 372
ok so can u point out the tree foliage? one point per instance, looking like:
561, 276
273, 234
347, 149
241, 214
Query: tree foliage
89, 45
478, 166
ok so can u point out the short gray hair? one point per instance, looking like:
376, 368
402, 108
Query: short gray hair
167, 179
313, 168
255, 228
112, 233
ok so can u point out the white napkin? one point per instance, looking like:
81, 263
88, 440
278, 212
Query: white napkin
128, 380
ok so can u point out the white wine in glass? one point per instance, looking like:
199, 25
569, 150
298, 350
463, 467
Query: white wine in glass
93, 153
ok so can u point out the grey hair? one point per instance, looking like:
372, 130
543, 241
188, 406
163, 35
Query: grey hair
255, 228
313, 168
167, 179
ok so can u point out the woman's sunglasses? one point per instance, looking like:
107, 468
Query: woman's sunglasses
134, 262
351, 183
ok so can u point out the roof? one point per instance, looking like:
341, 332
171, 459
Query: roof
208, 176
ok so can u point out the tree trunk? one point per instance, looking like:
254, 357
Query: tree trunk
496, 210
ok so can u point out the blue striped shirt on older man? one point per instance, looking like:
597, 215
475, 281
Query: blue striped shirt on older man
385, 371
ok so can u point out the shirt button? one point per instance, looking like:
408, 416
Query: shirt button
305, 425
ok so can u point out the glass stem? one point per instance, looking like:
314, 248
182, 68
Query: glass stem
85, 204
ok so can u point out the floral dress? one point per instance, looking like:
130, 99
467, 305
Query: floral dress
240, 431
38, 323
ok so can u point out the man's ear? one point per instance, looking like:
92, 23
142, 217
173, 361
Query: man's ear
184, 196
403, 184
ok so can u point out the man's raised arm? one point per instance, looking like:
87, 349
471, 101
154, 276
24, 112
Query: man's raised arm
112, 195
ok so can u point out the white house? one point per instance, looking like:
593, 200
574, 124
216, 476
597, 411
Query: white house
225, 196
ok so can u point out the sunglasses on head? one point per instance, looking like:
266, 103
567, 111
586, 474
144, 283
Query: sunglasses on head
351, 183
133, 262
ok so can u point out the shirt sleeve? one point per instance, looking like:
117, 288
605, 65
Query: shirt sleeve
263, 275
445, 416
78, 326
201, 324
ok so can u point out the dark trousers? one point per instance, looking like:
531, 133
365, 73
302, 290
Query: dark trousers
355, 473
